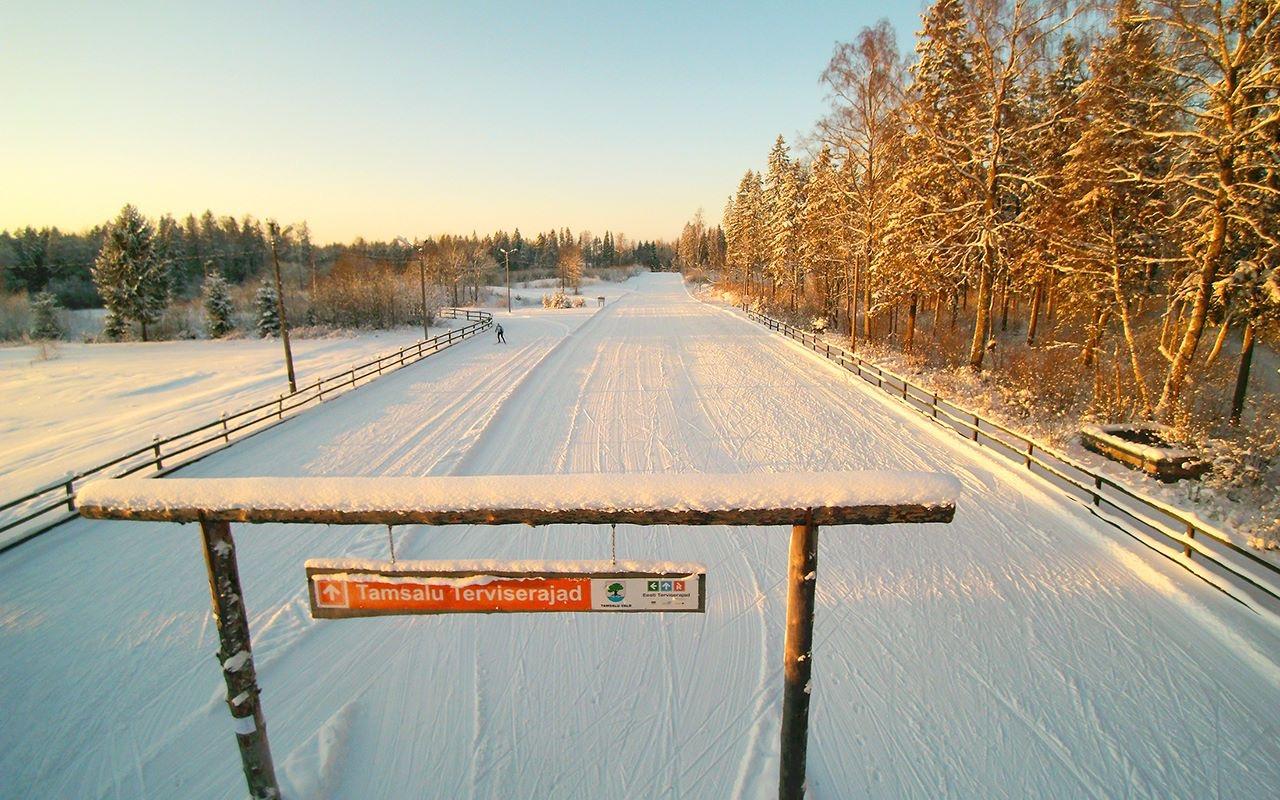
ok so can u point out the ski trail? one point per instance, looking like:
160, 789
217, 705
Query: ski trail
1022, 651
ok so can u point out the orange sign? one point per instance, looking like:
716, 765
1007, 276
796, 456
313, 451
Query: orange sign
337, 593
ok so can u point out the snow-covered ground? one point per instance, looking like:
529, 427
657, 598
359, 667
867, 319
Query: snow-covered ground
90, 402
1025, 650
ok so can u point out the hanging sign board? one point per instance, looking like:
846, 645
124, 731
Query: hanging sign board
370, 589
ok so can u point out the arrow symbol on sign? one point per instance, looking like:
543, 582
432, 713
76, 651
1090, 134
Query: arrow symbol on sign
331, 593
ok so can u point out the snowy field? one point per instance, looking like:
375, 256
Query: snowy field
1023, 651
91, 402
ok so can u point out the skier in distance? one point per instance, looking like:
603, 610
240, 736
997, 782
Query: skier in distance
501, 337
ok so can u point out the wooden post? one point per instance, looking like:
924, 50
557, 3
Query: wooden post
797, 660
236, 658
273, 231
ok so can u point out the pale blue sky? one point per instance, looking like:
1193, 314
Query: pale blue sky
407, 118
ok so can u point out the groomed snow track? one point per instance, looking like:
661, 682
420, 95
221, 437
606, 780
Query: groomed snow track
1025, 650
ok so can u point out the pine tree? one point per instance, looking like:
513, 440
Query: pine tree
821, 232
749, 223
44, 317
781, 214
217, 304
268, 311
1115, 176
114, 327
131, 275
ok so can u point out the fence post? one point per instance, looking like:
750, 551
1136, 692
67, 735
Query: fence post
1191, 534
1097, 485
280, 403
976, 421
797, 661
155, 447
935, 405
1030, 447
236, 657
71, 495
226, 434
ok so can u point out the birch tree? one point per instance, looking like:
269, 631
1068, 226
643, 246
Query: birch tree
864, 81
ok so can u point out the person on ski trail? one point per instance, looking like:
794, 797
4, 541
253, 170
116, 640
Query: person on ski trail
501, 338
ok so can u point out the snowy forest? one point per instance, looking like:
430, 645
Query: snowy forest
1078, 205
178, 279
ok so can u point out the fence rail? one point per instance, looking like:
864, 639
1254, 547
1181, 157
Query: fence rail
23, 518
1200, 548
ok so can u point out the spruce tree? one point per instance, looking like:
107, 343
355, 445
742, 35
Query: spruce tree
44, 317
131, 276
1115, 176
114, 327
781, 212
268, 311
217, 305
821, 235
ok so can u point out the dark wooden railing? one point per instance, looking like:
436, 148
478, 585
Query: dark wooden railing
1195, 545
23, 518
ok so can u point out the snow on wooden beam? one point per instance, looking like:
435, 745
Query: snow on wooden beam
822, 498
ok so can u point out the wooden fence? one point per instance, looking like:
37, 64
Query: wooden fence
1191, 543
23, 518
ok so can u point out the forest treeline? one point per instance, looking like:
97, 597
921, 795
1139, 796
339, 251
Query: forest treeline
137, 268
1075, 184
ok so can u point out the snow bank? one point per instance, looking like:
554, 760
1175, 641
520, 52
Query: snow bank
868, 497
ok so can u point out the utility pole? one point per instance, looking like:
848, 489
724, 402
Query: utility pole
506, 257
273, 230
422, 277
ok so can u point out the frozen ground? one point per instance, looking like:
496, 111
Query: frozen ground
91, 402
1023, 651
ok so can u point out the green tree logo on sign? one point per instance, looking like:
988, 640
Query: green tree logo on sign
614, 592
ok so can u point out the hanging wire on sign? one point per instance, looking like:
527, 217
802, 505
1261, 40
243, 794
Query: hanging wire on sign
613, 543
391, 542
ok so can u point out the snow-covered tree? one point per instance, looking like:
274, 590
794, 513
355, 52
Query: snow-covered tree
44, 317
114, 327
218, 309
781, 220
131, 275
570, 266
1225, 60
744, 230
1252, 294
822, 232
268, 311
1115, 176
864, 82
1053, 123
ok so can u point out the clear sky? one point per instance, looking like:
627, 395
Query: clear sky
402, 118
